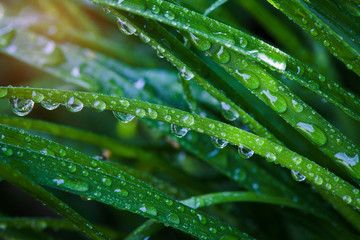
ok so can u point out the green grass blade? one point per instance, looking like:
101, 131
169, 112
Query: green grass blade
13, 176
249, 46
273, 152
325, 29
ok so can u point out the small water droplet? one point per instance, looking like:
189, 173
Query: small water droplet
314, 32
155, 9
347, 199
125, 27
188, 120
173, 218
21, 107
169, 15
219, 143
178, 131
248, 78
7, 151
144, 38
152, 113
314, 133
318, 180
213, 230
74, 105
297, 160
186, 74
270, 157
273, 59
123, 117
222, 55
298, 107
122, 192
49, 105
106, 181
54, 55
229, 113
346, 160
243, 42
99, 105
37, 96
297, 176
274, 100
245, 152
200, 43
139, 112
148, 209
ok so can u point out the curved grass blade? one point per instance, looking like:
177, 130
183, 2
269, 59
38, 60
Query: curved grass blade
214, 6
185, 61
325, 28
13, 176
247, 45
103, 183
273, 152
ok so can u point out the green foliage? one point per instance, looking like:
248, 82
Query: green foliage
234, 139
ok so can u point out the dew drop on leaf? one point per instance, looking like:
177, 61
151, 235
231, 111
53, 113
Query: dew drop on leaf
123, 117
200, 43
186, 74
274, 100
318, 180
297, 176
178, 131
243, 42
169, 15
72, 168
314, 133
49, 105
221, 55
219, 143
229, 113
148, 209
188, 120
245, 152
99, 105
139, 112
74, 105
347, 199
152, 113
248, 78
7, 151
298, 107
37, 96
155, 9
125, 27
173, 218
273, 59
122, 192
106, 181
54, 55
270, 157
21, 107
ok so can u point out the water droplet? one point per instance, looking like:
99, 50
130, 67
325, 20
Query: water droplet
248, 78
347, 199
245, 152
72, 184
124, 103
314, 133
74, 105
275, 101
152, 113
155, 9
188, 120
7, 151
123, 117
218, 142
169, 15
122, 192
144, 38
49, 105
318, 180
298, 107
346, 160
213, 230
201, 218
125, 27
3, 92
275, 60
229, 112
72, 168
173, 218
186, 74
314, 32
243, 42
297, 176
270, 157
200, 43
37, 97
178, 131
106, 181
6, 37
297, 160
54, 55
140, 112
167, 118
21, 107
222, 55
148, 209
99, 106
